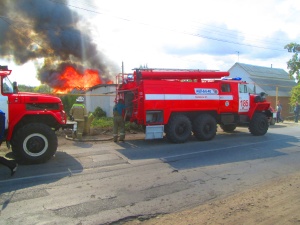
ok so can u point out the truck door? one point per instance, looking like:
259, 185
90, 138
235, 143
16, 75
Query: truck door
5, 88
4, 108
244, 98
226, 98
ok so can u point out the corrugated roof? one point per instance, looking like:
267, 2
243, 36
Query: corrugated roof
260, 71
269, 78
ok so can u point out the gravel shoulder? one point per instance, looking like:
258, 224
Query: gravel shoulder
274, 202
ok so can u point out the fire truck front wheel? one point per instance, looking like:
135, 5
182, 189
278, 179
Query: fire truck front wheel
205, 127
259, 124
34, 143
178, 129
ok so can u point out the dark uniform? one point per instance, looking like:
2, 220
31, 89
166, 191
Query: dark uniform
296, 112
79, 112
119, 123
11, 164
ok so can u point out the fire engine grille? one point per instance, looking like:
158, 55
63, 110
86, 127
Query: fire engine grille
43, 106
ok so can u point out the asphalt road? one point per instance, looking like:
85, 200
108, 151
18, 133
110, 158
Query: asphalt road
107, 182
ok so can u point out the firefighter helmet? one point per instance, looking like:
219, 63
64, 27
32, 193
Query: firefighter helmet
80, 99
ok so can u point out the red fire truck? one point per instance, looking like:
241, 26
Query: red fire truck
184, 102
28, 121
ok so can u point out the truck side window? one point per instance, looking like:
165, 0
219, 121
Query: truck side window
7, 86
243, 89
225, 87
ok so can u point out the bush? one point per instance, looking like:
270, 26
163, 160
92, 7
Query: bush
103, 122
108, 123
133, 126
99, 113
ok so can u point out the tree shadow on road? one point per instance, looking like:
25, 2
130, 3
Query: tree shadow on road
225, 148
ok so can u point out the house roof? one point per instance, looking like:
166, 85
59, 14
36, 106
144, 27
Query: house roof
99, 86
269, 79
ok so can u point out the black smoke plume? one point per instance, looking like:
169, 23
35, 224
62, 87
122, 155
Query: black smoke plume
49, 30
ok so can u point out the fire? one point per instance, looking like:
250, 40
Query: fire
71, 79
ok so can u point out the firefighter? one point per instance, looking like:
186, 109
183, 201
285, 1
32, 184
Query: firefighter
77, 113
11, 164
119, 123
296, 111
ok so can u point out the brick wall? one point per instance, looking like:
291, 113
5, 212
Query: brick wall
287, 110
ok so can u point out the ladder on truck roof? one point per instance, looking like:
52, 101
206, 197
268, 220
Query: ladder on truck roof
178, 74
169, 69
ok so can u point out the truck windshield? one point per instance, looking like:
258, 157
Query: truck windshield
7, 86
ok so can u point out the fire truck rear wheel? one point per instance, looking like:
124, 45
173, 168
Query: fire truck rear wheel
205, 127
259, 124
34, 143
178, 129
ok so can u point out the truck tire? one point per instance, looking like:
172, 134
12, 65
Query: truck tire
259, 124
34, 143
228, 127
178, 129
205, 127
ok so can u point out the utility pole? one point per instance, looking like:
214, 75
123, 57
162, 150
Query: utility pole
238, 55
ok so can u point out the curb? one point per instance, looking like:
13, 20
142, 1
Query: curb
85, 140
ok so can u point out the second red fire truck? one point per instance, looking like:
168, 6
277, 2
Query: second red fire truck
184, 102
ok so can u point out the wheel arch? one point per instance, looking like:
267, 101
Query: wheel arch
193, 114
44, 119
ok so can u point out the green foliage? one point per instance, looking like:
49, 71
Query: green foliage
68, 101
99, 112
133, 126
38, 89
103, 122
108, 123
294, 71
294, 64
25, 88
42, 89
295, 95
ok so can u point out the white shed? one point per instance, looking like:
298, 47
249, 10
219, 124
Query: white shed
102, 96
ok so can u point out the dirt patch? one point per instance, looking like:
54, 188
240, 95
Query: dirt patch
96, 134
275, 202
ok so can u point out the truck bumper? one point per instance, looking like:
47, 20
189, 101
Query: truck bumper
69, 125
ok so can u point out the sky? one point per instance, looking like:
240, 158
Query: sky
190, 34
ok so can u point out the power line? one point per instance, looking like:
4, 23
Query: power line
178, 31
161, 27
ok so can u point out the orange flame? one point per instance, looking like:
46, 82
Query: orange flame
71, 79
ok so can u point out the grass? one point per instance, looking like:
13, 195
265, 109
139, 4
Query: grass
102, 122
107, 123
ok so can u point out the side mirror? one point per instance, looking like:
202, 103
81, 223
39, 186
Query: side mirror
15, 87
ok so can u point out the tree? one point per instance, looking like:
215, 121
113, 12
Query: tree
294, 64
43, 88
68, 101
25, 88
294, 71
295, 95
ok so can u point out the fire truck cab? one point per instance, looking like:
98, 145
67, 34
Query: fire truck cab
184, 102
29, 121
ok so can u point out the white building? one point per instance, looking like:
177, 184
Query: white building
102, 96
275, 82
